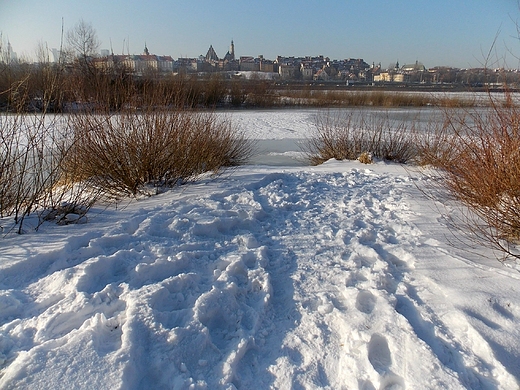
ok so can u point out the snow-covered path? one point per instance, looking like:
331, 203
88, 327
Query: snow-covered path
335, 277
302, 278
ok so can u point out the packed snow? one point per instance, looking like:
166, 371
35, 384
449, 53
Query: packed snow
341, 276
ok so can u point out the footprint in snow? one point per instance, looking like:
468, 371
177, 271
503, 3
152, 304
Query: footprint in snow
365, 301
380, 358
379, 354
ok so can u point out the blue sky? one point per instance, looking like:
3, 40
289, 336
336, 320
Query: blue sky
436, 32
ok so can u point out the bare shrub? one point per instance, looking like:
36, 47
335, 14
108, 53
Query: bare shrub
346, 136
434, 144
259, 93
32, 149
123, 153
214, 90
477, 157
32, 146
237, 93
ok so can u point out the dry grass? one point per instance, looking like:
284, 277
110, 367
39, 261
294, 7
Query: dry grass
365, 158
345, 98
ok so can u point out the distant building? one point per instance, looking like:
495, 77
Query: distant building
321, 75
307, 71
287, 71
230, 55
186, 65
389, 77
136, 64
211, 55
266, 65
248, 64
417, 67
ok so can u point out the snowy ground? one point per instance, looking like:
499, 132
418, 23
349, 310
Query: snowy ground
335, 277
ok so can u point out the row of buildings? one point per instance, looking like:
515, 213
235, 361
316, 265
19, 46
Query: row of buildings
319, 68
303, 68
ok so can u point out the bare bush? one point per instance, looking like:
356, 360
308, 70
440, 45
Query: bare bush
477, 157
123, 153
32, 150
346, 136
33, 147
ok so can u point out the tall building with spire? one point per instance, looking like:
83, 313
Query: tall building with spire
230, 55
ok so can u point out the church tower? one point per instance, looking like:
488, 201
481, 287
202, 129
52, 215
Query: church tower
232, 50
230, 55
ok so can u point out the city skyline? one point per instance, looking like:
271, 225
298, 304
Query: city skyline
443, 33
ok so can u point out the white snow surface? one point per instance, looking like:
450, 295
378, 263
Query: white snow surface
340, 276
